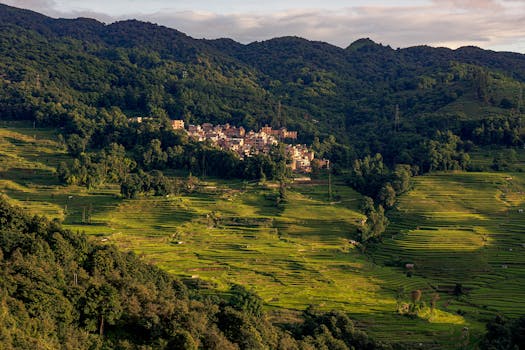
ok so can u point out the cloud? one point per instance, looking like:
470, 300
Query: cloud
35, 5
495, 24
489, 25
469, 4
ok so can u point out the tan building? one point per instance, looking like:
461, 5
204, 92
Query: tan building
289, 134
282, 133
177, 124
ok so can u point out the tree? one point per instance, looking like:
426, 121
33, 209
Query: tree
154, 157
415, 295
131, 186
387, 195
499, 335
376, 221
160, 184
102, 306
282, 195
434, 300
76, 145
183, 340
444, 153
244, 300
401, 178
63, 173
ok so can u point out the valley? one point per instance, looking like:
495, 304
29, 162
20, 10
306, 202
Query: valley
455, 228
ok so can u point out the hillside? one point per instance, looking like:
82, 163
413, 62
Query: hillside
413, 233
457, 229
55, 70
60, 291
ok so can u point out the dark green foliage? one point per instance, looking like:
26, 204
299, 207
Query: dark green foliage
243, 300
444, 152
503, 334
101, 306
131, 186
86, 77
60, 291
387, 195
375, 224
334, 330
371, 177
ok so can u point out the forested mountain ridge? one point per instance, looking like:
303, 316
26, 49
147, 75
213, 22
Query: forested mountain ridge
371, 97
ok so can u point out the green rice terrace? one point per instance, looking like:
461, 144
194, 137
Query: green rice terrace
457, 235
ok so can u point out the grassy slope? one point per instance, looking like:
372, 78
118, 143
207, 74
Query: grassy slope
466, 228
454, 227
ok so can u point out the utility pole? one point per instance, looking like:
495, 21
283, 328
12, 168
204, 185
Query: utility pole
329, 180
203, 164
279, 121
396, 119
520, 99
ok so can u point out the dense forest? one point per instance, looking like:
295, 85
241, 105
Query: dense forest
419, 106
59, 291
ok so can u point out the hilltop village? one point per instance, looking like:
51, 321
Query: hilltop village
247, 143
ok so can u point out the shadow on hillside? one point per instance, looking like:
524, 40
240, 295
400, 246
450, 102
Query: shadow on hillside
30, 177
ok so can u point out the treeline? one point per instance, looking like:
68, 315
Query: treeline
60, 291
380, 186
123, 152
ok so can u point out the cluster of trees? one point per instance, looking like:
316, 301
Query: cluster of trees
380, 187
504, 131
375, 223
155, 183
444, 152
116, 154
417, 305
373, 178
504, 334
92, 169
60, 291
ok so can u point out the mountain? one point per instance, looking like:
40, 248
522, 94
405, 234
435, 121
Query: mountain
370, 97
380, 115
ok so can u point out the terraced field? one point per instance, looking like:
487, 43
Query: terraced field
455, 228
468, 229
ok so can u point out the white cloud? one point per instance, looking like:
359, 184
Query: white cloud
496, 24
489, 25
35, 5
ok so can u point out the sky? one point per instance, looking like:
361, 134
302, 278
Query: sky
490, 24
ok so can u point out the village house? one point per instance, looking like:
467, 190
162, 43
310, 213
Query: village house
177, 124
246, 144
280, 134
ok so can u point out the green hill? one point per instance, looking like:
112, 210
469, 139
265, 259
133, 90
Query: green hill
62, 72
449, 261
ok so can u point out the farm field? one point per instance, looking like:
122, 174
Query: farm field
468, 229
462, 228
